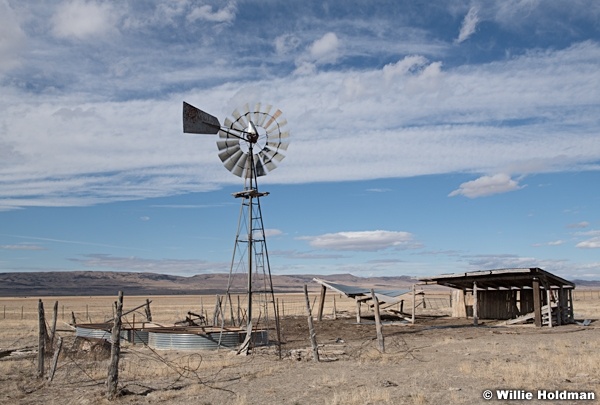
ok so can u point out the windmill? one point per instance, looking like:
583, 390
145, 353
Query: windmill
252, 142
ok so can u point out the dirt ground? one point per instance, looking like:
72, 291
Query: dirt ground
439, 360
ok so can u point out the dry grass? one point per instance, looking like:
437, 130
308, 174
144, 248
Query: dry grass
421, 365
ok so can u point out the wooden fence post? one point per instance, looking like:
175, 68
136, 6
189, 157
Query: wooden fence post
115, 350
311, 327
380, 339
41, 338
334, 309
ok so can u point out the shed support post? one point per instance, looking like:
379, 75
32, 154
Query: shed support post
571, 316
559, 303
537, 302
549, 302
475, 305
357, 311
322, 303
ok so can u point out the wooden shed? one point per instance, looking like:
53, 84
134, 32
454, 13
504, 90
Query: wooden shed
516, 295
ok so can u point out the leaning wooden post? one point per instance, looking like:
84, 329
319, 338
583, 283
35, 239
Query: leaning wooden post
115, 350
475, 304
147, 310
55, 359
311, 327
322, 302
380, 339
53, 329
41, 338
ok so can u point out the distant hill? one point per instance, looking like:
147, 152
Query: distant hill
78, 283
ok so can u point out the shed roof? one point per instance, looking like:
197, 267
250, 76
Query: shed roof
499, 279
362, 293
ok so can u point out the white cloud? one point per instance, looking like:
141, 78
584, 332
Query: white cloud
409, 64
469, 25
325, 49
486, 186
593, 243
206, 13
82, 19
362, 240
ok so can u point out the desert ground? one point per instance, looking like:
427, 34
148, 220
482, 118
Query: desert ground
438, 360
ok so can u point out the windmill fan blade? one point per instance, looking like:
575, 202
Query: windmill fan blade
264, 114
231, 163
278, 145
275, 133
272, 119
273, 154
267, 157
226, 154
227, 143
196, 121
240, 120
257, 114
278, 125
241, 166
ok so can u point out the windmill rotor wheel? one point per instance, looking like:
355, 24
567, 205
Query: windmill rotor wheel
253, 138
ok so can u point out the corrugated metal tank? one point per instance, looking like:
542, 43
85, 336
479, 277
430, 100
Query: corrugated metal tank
97, 331
209, 341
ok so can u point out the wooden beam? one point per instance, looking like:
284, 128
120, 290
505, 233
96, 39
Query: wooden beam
322, 303
475, 305
537, 303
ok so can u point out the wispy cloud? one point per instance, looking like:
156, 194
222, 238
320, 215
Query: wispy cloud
162, 266
23, 246
112, 132
469, 25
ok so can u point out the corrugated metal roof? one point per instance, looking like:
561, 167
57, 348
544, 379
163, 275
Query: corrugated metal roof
383, 295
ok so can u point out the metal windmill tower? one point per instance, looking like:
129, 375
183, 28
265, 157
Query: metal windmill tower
251, 144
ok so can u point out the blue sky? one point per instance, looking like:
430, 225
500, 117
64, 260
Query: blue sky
426, 137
